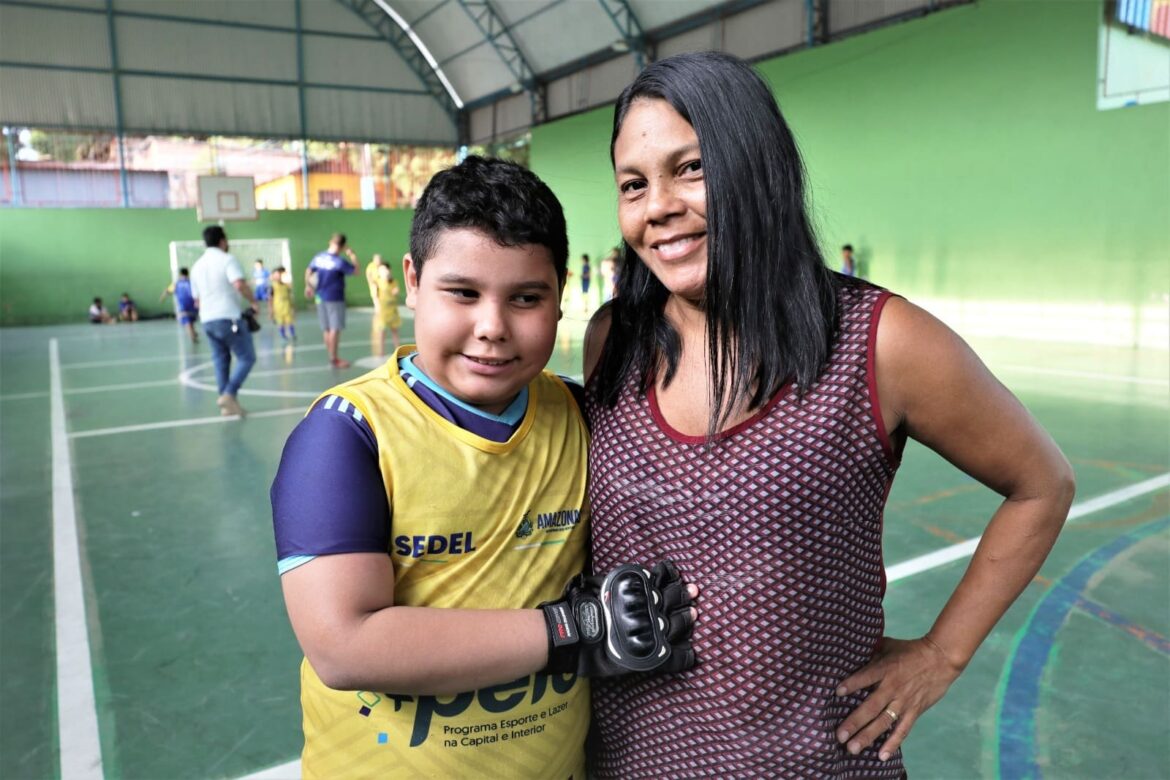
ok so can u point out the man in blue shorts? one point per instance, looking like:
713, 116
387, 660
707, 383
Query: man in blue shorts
331, 269
428, 515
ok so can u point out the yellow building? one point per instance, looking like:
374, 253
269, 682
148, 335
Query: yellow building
331, 186
334, 184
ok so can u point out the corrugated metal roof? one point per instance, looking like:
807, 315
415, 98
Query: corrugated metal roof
364, 69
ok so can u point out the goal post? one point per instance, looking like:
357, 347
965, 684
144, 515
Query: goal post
273, 251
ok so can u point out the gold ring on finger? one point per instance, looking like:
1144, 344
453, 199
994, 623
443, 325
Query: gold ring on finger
893, 715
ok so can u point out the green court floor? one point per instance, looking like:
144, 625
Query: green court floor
111, 442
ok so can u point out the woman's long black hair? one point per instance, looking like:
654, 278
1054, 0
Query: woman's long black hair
770, 301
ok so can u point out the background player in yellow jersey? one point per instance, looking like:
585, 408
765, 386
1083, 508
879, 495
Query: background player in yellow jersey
372, 267
384, 293
428, 515
280, 303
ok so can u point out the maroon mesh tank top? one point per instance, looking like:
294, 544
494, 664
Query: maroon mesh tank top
780, 525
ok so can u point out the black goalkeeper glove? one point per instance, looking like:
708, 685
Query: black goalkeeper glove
628, 620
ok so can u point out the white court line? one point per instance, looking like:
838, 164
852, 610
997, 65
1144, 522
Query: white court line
292, 770
165, 382
289, 771
181, 423
185, 379
106, 335
122, 362
126, 386
23, 396
180, 356
77, 726
963, 549
283, 371
1122, 378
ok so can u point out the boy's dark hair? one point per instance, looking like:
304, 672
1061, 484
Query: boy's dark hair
847, 248
762, 255
496, 197
279, 268
184, 272
213, 235
98, 301
339, 239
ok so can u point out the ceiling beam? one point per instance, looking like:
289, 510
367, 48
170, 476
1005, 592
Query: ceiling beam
182, 76
818, 21
496, 32
629, 28
203, 132
512, 26
378, 17
160, 17
118, 117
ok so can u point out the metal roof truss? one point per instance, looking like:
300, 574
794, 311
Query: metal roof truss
388, 29
629, 28
497, 33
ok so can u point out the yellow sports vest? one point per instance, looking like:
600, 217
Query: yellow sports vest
387, 292
281, 301
476, 525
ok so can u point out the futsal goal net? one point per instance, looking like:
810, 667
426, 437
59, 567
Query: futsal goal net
273, 251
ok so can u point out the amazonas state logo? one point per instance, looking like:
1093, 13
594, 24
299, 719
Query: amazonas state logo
524, 530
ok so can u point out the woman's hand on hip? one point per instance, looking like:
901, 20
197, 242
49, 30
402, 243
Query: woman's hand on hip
907, 677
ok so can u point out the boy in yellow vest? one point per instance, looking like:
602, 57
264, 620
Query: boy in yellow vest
384, 294
429, 514
280, 304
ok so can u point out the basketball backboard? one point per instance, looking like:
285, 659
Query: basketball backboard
226, 198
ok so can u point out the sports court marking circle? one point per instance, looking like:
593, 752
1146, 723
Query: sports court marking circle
1022, 687
186, 378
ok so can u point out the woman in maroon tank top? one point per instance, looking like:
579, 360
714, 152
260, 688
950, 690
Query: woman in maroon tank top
748, 410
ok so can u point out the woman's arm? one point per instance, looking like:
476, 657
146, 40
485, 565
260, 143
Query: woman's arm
934, 387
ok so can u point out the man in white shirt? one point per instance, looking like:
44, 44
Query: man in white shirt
221, 293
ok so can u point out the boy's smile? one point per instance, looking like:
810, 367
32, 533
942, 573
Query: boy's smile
485, 316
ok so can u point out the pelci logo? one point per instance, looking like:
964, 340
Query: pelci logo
525, 693
524, 530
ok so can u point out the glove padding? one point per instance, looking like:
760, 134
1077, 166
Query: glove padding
628, 620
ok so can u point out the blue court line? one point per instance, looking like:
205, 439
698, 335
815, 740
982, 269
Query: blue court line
1021, 696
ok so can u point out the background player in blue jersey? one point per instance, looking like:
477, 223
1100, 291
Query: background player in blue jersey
454, 504
127, 309
186, 310
260, 280
329, 270
586, 278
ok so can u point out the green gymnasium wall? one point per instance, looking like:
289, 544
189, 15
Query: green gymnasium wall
962, 154
54, 261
